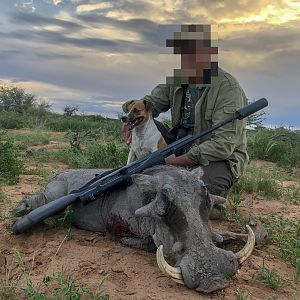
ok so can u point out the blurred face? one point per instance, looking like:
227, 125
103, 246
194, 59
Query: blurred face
198, 58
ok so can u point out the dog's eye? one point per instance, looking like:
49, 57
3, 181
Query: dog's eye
135, 110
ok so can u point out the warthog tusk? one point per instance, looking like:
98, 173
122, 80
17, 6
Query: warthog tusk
173, 272
247, 250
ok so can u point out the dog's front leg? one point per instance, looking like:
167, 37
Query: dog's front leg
131, 157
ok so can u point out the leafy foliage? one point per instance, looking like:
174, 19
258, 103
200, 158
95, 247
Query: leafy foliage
61, 286
285, 234
257, 118
278, 145
270, 278
70, 110
98, 155
258, 181
11, 165
58, 285
13, 98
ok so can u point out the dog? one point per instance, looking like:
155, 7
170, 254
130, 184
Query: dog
146, 138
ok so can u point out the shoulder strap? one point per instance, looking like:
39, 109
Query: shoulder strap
182, 105
163, 129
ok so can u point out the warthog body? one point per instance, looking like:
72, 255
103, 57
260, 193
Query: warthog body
166, 208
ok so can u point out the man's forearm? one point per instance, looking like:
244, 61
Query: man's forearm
180, 161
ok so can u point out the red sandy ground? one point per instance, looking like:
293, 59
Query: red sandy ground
133, 274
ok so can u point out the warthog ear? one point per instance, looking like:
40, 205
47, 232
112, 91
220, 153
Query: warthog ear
146, 183
158, 207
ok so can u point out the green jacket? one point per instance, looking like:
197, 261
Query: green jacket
218, 102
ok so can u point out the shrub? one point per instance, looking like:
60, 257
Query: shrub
284, 234
10, 164
70, 110
107, 155
278, 145
13, 98
17, 284
11, 120
258, 181
96, 155
270, 278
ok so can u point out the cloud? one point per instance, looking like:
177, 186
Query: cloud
40, 20
89, 31
258, 49
84, 50
92, 7
54, 2
55, 56
147, 29
203, 11
7, 54
95, 44
23, 6
60, 96
268, 39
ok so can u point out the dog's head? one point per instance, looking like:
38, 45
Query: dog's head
138, 112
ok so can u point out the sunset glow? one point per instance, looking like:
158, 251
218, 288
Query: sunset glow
104, 52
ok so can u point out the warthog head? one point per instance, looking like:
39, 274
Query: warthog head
180, 213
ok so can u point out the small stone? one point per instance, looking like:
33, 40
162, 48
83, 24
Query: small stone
117, 270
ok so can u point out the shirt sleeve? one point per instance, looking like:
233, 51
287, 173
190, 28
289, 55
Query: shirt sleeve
160, 98
224, 140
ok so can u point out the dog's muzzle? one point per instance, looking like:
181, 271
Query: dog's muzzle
132, 122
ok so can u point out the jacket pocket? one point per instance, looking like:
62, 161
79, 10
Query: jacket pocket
229, 110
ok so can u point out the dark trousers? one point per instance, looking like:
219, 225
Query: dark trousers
218, 177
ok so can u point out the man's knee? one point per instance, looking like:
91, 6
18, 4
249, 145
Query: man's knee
218, 178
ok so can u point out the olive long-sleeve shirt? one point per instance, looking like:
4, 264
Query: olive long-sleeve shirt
217, 102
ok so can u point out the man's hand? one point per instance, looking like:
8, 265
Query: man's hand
127, 134
180, 161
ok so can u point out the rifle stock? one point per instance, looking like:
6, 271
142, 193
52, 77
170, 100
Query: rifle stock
98, 188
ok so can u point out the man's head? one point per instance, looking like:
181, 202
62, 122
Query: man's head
198, 55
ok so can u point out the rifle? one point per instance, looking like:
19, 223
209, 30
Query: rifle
102, 183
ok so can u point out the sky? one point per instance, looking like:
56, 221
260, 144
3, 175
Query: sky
98, 54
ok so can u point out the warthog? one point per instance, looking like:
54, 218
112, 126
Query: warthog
166, 208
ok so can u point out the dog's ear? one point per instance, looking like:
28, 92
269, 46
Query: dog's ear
126, 105
148, 105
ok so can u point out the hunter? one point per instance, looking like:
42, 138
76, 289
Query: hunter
200, 95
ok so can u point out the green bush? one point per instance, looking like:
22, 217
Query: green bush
10, 164
58, 285
96, 155
283, 233
278, 145
36, 138
108, 155
11, 120
38, 117
97, 126
62, 286
258, 181
269, 277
